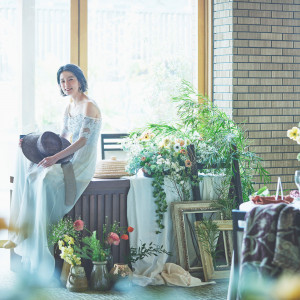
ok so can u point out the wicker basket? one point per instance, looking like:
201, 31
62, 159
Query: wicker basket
111, 168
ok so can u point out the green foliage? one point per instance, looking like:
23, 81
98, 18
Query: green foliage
60, 229
208, 234
93, 249
144, 251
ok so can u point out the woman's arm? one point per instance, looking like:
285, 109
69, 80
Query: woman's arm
91, 111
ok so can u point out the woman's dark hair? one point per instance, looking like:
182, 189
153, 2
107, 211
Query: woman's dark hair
78, 74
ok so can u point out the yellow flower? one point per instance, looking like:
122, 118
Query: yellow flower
66, 238
71, 241
166, 142
181, 142
293, 133
60, 244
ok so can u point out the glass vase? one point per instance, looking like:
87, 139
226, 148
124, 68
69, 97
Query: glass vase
77, 281
100, 279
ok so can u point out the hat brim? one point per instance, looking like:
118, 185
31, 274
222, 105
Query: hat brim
30, 150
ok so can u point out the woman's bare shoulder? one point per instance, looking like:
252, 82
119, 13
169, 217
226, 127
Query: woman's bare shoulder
92, 109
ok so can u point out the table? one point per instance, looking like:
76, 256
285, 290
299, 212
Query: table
141, 215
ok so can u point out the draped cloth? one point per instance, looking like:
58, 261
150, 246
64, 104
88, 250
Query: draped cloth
271, 244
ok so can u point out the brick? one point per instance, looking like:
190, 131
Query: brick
260, 149
295, 67
271, 111
283, 29
260, 104
279, 134
271, 127
249, 97
249, 81
240, 89
292, 96
271, 36
253, 127
255, 142
260, 14
261, 119
272, 156
277, 22
291, 111
239, 74
280, 119
271, 6
238, 28
290, 51
260, 44
271, 51
250, 35
291, 37
290, 81
248, 6
241, 120
261, 73
268, 97
249, 66
240, 104
281, 149
240, 13
271, 66
281, 104
289, 156
260, 28
282, 89
282, 59
282, 15
271, 81
260, 89
291, 22
249, 51
282, 44
241, 43
249, 21
282, 74
248, 112
272, 141
259, 58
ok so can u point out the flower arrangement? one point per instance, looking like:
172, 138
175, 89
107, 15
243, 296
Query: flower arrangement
99, 250
294, 134
159, 156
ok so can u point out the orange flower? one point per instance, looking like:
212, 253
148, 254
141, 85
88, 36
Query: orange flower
130, 229
183, 151
124, 237
188, 163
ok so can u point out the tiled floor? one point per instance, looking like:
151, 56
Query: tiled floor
15, 288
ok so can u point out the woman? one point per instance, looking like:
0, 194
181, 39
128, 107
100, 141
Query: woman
39, 192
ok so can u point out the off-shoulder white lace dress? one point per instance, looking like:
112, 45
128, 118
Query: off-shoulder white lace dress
39, 195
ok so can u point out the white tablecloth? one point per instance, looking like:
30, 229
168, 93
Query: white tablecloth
141, 215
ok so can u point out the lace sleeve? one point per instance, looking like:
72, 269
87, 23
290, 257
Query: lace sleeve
88, 124
65, 129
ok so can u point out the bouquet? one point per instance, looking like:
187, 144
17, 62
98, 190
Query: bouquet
99, 249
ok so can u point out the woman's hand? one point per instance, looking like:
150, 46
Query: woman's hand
20, 142
48, 161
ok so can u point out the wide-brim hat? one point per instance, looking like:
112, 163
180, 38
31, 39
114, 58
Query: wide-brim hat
38, 146
111, 168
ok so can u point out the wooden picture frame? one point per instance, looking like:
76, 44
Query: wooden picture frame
178, 212
210, 273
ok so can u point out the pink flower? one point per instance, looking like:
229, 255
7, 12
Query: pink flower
143, 158
113, 239
78, 225
130, 229
124, 237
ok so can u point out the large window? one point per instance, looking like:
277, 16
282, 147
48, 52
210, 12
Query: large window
138, 53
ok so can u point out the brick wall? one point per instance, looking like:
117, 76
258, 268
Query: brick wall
260, 69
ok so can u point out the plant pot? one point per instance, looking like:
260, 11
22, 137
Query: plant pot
121, 276
77, 281
100, 279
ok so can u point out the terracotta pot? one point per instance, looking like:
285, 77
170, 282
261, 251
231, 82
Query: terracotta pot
77, 281
100, 279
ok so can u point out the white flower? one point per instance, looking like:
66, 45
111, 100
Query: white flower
177, 147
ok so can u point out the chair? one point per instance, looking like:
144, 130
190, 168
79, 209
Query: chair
111, 142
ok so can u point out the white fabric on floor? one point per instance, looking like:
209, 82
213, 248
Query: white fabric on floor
141, 216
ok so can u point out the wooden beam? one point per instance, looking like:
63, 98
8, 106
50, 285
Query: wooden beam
74, 40
83, 36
